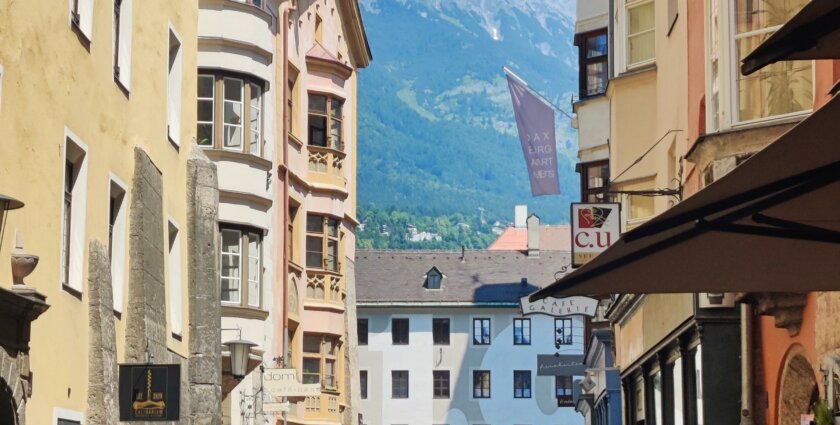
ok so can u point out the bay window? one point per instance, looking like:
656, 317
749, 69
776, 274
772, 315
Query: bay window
322, 239
320, 360
640, 46
734, 30
325, 121
226, 103
241, 267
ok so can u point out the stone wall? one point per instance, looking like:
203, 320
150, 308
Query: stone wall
103, 401
205, 363
146, 334
10, 377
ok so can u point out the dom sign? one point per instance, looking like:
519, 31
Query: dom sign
594, 228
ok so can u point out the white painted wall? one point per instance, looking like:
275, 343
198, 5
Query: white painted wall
593, 116
420, 357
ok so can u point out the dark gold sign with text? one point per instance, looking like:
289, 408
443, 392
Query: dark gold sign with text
150, 392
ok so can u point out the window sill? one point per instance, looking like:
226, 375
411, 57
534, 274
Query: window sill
244, 312
638, 70
334, 151
72, 291
238, 156
83, 38
295, 140
294, 266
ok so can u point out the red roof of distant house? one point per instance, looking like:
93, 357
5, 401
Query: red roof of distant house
552, 238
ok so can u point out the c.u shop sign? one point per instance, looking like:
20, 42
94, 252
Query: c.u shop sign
594, 228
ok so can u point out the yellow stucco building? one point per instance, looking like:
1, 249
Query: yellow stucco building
96, 105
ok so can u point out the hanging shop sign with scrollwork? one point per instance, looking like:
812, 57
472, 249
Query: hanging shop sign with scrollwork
150, 392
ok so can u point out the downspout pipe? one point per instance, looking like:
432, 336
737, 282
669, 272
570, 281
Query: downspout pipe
747, 365
290, 6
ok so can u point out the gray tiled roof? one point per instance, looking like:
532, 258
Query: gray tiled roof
483, 276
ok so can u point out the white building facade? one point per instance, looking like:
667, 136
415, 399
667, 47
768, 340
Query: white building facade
462, 354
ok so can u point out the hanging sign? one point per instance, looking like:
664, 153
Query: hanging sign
284, 383
275, 408
560, 365
559, 307
594, 228
150, 392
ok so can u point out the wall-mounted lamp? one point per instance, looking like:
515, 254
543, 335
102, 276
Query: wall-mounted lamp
239, 350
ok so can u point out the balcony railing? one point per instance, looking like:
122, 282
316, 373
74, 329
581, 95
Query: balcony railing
325, 287
325, 406
327, 161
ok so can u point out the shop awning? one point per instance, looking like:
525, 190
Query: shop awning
770, 225
812, 34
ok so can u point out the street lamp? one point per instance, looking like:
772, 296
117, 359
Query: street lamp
239, 350
7, 203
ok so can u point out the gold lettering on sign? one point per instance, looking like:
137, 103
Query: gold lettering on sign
153, 405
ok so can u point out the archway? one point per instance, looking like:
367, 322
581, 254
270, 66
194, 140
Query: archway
8, 413
798, 389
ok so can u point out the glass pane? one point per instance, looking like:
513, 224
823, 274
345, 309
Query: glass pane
317, 130
205, 110
678, 393
230, 290
596, 46
314, 224
255, 142
205, 135
233, 136
781, 88
205, 86
311, 344
641, 206
335, 134
657, 397
596, 78
640, 18
230, 241
751, 15
230, 265
233, 89
332, 227
640, 47
332, 255
317, 103
335, 109
698, 373
233, 113
311, 365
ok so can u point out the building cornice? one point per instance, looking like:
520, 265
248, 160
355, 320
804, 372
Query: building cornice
227, 43
357, 41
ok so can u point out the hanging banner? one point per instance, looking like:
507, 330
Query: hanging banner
594, 228
559, 307
284, 383
149, 392
560, 365
535, 121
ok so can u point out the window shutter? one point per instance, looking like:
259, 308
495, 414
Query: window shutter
175, 76
86, 18
126, 12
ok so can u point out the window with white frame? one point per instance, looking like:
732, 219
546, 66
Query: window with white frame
122, 42
81, 17
241, 101
175, 75
734, 29
73, 215
481, 331
563, 334
174, 274
241, 251
117, 217
640, 30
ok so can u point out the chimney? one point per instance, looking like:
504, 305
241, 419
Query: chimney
520, 214
533, 236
